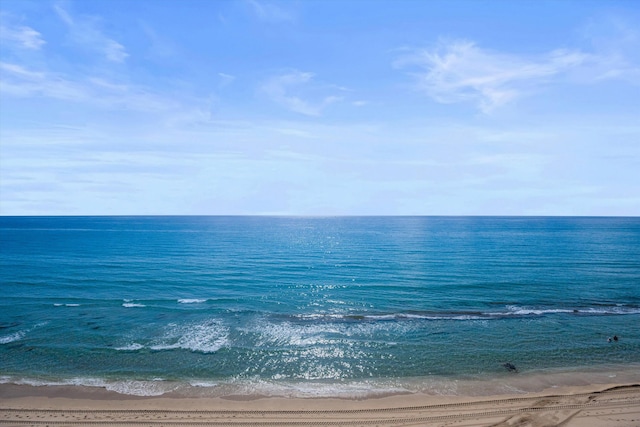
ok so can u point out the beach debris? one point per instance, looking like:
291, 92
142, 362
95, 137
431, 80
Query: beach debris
510, 366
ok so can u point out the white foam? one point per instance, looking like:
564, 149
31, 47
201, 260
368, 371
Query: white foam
131, 347
141, 388
354, 389
132, 304
382, 317
191, 301
525, 311
423, 317
203, 384
206, 337
301, 335
513, 310
243, 386
156, 387
16, 336
612, 310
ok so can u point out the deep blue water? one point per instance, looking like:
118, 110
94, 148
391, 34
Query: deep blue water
242, 304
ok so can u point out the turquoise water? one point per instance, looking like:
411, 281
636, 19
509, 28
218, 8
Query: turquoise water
147, 305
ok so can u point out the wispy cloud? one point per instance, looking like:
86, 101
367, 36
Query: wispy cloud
21, 36
271, 12
617, 44
20, 81
86, 32
460, 71
160, 47
286, 89
226, 79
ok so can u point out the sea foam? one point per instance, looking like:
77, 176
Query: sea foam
205, 337
191, 301
128, 387
16, 336
130, 304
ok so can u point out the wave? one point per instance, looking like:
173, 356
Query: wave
66, 305
233, 386
131, 347
155, 387
513, 310
305, 389
191, 301
130, 304
17, 336
204, 384
510, 311
475, 385
204, 337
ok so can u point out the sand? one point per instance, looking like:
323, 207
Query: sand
583, 406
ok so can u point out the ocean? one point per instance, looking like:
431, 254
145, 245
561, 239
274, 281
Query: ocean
327, 306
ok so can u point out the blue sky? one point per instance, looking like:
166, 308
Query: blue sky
320, 107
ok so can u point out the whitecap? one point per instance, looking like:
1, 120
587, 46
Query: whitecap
132, 304
513, 310
16, 336
191, 301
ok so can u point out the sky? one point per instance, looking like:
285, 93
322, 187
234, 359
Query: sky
319, 107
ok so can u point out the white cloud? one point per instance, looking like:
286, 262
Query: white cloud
270, 12
114, 51
85, 32
226, 79
160, 47
460, 71
22, 36
285, 90
616, 43
20, 81
21, 71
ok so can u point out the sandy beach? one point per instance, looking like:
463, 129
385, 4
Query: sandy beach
584, 406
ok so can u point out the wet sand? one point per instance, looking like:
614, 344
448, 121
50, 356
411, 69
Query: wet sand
610, 405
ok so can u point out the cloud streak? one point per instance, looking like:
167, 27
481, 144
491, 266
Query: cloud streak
19, 81
85, 32
21, 36
270, 12
460, 71
286, 89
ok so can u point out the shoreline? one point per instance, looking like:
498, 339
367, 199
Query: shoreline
248, 389
603, 405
